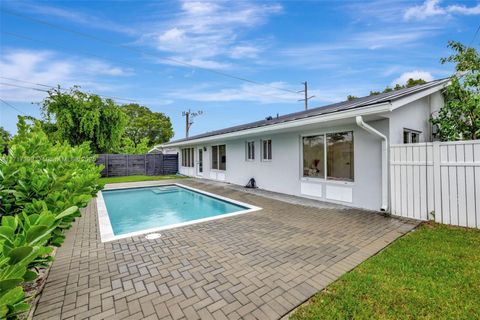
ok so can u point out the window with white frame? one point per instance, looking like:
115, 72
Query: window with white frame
219, 157
411, 136
250, 150
329, 156
188, 157
267, 150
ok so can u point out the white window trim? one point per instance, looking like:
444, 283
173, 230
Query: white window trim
247, 150
410, 131
218, 158
261, 150
188, 157
325, 155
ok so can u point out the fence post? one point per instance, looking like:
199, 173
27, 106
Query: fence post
127, 164
437, 186
106, 161
145, 163
162, 164
154, 165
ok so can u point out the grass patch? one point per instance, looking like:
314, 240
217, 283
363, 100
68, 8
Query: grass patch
432, 273
139, 178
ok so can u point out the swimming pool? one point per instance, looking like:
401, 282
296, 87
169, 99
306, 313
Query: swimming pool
132, 211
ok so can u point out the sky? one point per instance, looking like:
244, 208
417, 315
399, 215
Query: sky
237, 61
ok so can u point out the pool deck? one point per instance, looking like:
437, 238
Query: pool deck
258, 265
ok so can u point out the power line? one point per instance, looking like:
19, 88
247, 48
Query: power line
279, 96
111, 43
52, 87
474, 36
22, 87
24, 37
24, 81
14, 108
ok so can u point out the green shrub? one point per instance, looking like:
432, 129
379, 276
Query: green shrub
39, 170
42, 185
23, 248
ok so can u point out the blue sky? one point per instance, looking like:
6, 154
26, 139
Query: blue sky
131, 50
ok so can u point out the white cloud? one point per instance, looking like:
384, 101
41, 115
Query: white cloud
247, 92
352, 50
258, 93
47, 68
387, 39
415, 74
244, 51
87, 19
431, 8
211, 30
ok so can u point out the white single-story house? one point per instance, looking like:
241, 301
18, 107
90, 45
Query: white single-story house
337, 153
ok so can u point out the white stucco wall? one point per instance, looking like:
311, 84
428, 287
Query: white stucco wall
415, 116
283, 172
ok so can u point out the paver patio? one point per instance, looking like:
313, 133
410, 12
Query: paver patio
258, 265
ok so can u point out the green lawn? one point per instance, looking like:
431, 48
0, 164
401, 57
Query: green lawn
139, 178
431, 273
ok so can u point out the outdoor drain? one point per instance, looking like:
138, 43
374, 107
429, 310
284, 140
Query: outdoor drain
152, 236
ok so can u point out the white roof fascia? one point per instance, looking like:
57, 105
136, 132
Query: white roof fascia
416, 96
155, 148
368, 110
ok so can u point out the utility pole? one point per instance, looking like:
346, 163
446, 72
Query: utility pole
305, 90
189, 115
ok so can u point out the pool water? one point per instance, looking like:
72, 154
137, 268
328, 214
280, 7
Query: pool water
136, 209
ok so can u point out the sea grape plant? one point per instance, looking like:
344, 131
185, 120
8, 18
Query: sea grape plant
42, 185
23, 244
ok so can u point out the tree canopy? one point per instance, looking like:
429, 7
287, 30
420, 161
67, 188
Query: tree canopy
143, 124
5, 136
78, 117
459, 118
410, 83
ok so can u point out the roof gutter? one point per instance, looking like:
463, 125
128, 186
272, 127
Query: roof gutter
384, 138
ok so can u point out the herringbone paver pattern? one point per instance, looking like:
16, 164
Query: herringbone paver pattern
258, 265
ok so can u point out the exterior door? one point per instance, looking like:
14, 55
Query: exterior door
200, 162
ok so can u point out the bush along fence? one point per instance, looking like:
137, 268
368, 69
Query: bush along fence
116, 165
437, 181
42, 186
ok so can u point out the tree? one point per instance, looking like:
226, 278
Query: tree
5, 136
410, 83
78, 117
459, 118
143, 123
128, 147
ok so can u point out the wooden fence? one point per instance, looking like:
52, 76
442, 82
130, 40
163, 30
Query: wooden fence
439, 180
117, 165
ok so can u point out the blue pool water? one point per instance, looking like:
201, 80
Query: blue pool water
138, 209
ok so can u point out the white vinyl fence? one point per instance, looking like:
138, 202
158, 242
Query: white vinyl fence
439, 180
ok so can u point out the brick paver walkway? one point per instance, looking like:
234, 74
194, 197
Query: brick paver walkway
258, 265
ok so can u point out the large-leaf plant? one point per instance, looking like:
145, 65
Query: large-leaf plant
42, 185
23, 248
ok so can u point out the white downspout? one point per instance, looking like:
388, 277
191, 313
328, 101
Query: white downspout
384, 138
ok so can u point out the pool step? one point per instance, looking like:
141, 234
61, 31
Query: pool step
164, 190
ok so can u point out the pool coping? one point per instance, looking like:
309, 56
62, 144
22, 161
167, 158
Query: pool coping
106, 230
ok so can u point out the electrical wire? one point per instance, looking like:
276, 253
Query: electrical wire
474, 36
111, 43
14, 108
52, 87
278, 96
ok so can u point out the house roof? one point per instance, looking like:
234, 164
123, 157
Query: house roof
332, 108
